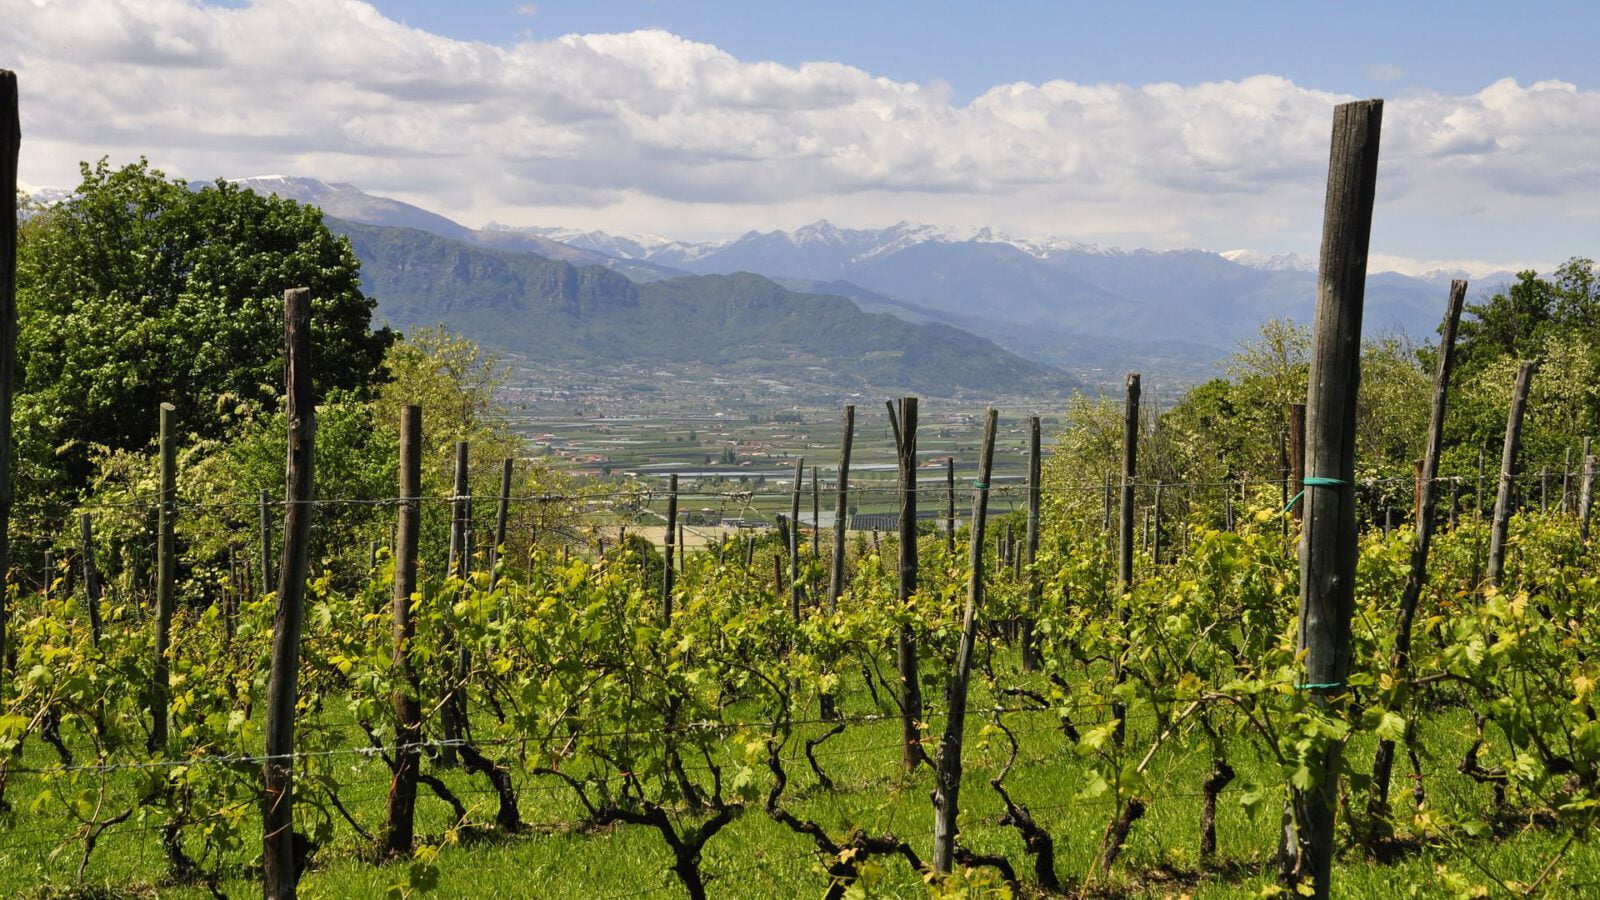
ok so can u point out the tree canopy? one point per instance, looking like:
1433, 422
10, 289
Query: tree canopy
137, 291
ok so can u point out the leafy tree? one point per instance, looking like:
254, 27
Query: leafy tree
137, 291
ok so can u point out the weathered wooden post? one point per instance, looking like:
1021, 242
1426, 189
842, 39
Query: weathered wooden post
1130, 467
1508, 474
947, 779
166, 575
1586, 498
91, 576
841, 509
399, 833
1030, 650
502, 514
1427, 498
458, 564
794, 538
672, 526
950, 505
10, 146
278, 861
816, 514
452, 715
1329, 533
904, 427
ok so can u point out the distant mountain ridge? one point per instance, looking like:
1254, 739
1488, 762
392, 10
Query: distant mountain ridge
740, 323
1093, 310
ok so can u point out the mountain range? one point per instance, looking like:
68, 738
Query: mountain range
1090, 310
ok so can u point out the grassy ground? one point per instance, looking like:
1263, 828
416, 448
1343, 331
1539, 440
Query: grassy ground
755, 857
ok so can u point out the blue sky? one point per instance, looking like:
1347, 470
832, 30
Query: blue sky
1135, 124
1350, 47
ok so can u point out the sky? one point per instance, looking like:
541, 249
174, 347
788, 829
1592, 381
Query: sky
1135, 124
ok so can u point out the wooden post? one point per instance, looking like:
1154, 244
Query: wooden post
904, 426
166, 575
264, 542
1030, 650
278, 861
1427, 498
816, 514
91, 576
947, 783
841, 509
1130, 467
10, 146
452, 714
398, 834
502, 513
667, 548
794, 538
1329, 533
1566, 481
1544, 489
950, 505
457, 567
1416, 489
1586, 498
1508, 473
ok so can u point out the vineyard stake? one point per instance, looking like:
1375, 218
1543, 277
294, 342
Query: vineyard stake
1030, 653
402, 804
452, 716
1427, 499
794, 538
672, 526
166, 576
502, 512
278, 860
457, 567
841, 509
950, 505
1586, 498
1508, 473
91, 576
904, 427
10, 146
1329, 535
1566, 480
947, 784
1130, 465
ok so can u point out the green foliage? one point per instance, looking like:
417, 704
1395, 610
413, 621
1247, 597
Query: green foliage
136, 291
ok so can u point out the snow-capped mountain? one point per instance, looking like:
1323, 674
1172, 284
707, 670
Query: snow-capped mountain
1267, 262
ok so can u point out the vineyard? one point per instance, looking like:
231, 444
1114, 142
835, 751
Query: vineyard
433, 667
1112, 740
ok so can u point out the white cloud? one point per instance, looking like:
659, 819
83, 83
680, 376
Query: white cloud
650, 131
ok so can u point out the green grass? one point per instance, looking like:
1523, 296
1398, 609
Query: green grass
756, 857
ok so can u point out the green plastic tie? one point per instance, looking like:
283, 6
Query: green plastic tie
980, 485
1314, 481
1319, 686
